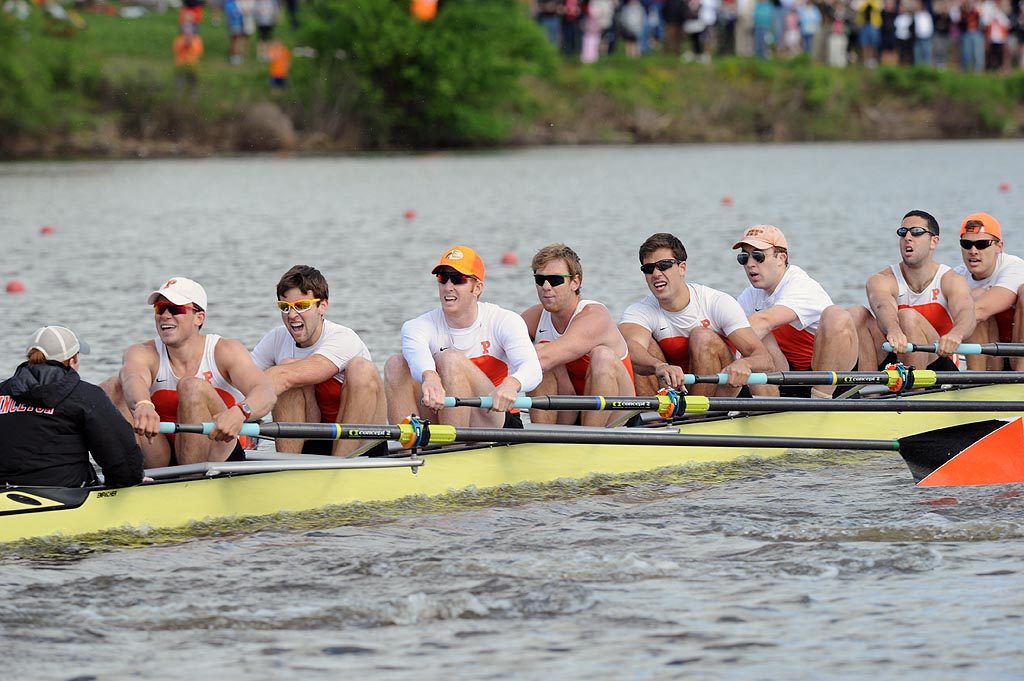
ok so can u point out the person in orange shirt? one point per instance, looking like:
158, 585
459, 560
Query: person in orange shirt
280, 58
188, 49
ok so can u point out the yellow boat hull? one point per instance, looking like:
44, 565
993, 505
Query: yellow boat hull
25, 513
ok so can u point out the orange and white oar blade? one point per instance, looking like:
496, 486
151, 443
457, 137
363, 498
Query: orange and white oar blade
995, 459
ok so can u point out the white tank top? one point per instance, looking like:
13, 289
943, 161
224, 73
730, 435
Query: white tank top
164, 390
546, 330
930, 302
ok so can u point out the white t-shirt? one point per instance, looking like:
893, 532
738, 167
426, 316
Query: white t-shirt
337, 343
497, 342
1008, 274
798, 292
708, 308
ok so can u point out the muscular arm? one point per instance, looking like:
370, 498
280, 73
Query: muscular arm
766, 321
588, 330
638, 339
311, 370
751, 350
961, 307
992, 302
881, 291
138, 370
239, 369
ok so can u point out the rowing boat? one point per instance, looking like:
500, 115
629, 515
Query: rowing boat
276, 483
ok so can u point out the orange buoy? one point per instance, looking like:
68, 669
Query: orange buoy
727, 201
409, 214
1004, 187
509, 258
15, 286
46, 230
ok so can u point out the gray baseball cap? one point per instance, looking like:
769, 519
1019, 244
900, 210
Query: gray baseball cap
58, 343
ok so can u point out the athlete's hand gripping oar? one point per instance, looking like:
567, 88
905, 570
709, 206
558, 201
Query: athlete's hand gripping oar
669, 405
419, 433
996, 349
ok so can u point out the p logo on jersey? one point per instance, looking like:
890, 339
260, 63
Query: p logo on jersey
935, 294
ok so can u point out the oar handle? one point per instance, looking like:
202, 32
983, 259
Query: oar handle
249, 429
962, 349
723, 379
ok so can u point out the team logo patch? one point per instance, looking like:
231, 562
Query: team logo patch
170, 282
454, 254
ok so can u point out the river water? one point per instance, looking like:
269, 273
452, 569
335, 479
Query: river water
803, 567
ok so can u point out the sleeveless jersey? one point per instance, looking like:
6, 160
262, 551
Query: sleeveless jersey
804, 296
930, 302
577, 368
164, 390
708, 308
497, 342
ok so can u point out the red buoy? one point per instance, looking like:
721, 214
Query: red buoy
46, 230
1004, 187
409, 214
509, 258
727, 201
15, 286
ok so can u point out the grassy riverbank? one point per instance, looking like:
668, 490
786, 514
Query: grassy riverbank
111, 93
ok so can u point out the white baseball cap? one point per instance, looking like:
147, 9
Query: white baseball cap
180, 291
58, 343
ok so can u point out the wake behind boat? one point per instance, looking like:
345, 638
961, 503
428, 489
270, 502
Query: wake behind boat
277, 483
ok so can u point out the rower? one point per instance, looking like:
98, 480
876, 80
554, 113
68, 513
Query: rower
916, 300
464, 347
188, 377
51, 420
682, 327
996, 281
791, 313
322, 371
580, 348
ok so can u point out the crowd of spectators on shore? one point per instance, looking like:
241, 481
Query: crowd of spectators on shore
972, 35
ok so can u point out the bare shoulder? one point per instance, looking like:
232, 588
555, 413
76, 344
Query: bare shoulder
231, 351
532, 317
141, 352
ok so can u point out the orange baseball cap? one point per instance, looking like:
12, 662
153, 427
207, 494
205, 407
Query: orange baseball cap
981, 223
762, 236
462, 259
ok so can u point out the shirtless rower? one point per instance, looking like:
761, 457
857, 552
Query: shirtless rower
187, 376
996, 280
463, 348
322, 371
916, 300
791, 313
682, 327
581, 350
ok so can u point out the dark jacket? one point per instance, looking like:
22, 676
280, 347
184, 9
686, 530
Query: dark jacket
50, 420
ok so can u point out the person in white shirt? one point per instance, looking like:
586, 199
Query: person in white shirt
322, 371
682, 327
464, 348
996, 280
916, 300
791, 313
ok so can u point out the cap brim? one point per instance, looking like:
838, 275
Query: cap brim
83, 347
453, 267
756, 243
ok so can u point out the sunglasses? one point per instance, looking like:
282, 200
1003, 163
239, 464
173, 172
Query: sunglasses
175, 310
661, 265
743, 257
914, 231
456, 278
980, 244
299, 306
553, 279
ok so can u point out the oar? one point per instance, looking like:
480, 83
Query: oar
693, 404
922, 378
998, 349
421, 433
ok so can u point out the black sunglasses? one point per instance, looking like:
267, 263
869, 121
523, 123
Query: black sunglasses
980, 244
456, 278
914, 231
661, 265
742, 257
553, 279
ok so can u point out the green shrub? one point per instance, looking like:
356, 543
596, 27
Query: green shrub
448, 82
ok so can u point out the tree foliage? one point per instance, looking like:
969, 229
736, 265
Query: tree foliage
447, 82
